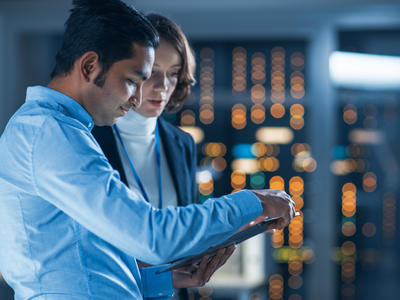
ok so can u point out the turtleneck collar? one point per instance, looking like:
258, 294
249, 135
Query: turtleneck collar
135, 124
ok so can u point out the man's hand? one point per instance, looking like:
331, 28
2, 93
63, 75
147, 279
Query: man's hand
276, 203
199, 275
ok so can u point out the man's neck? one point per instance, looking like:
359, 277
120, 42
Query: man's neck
66, 86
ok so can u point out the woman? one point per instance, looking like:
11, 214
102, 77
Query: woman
154, 156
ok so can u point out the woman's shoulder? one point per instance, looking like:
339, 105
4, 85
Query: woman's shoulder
167, 129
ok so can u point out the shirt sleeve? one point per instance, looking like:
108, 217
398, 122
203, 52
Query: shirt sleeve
156, 286
70, 171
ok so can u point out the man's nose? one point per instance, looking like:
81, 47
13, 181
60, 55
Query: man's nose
136, 99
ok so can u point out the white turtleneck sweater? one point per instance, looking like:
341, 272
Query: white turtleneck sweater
138, 135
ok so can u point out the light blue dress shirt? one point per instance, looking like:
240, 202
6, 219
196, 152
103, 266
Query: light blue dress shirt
70, 229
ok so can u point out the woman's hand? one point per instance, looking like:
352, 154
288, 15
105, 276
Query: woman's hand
199, 275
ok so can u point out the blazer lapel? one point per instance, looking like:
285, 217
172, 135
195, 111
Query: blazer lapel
173, 149
105, 137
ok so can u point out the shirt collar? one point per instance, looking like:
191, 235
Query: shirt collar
54, 97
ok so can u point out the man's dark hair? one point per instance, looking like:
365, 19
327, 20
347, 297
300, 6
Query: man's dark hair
107, 27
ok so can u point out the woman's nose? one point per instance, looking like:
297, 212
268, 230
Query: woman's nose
161, 83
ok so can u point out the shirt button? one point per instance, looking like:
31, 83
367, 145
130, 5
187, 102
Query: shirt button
90, 124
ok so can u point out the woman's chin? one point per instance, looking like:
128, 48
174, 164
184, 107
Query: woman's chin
150, 114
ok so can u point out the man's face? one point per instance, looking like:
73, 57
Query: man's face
122, 88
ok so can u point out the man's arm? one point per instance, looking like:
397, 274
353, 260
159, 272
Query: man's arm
76, 177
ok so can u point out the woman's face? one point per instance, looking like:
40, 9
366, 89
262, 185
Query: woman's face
158, 89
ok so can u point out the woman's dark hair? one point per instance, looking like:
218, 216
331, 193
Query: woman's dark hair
107, 27
171, 32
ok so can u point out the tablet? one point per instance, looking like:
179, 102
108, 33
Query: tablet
234, 239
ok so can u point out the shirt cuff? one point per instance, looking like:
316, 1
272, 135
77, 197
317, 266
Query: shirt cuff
156, 286
249, 205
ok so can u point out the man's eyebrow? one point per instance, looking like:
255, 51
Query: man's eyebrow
140, 74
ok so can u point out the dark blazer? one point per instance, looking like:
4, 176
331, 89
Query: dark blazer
180, 151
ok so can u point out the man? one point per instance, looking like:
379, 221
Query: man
70, 229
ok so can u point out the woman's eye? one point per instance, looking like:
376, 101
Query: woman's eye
174, 74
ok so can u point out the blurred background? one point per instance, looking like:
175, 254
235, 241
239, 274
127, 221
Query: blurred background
300, 95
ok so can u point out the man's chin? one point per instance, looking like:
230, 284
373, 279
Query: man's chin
106, 122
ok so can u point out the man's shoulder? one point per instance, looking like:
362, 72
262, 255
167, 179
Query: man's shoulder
40, 125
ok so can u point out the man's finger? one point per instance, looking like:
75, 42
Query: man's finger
228, 253
213, 264
203, 264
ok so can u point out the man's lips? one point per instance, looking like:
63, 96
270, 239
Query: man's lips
125, 109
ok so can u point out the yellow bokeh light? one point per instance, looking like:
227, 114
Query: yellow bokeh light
298, 148
297, 94
348, 212
258, 93
389, 216
238, 179
214, 149
258, 149
299, 202
296, 123
295, 267
239, 116
349, 187
369, 182
297, 60
350, 114
277, 183
296, 186
269, 164
348, 269
369, 229
297, 110
206, 117
219, 164
206, 188
309, 164
258, 114
188, 118
277, 110
239, 57
295, 282
348, 248
278, 75
348, 229
277, 238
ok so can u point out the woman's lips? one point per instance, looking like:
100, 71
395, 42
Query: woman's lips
155, 102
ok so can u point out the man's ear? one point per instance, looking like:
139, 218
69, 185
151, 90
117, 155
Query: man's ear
89, 65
